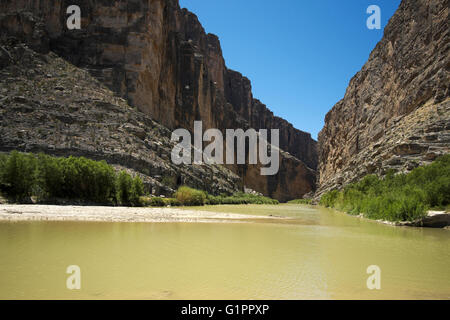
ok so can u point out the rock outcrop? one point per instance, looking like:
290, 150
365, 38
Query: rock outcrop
396, 111
158, 57
48, 105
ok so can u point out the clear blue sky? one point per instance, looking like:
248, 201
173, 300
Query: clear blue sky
299, 55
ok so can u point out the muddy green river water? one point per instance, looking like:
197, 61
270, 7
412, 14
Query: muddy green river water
317, 254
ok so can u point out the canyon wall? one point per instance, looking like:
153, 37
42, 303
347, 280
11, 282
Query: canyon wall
48, 105
159, 58
396, 111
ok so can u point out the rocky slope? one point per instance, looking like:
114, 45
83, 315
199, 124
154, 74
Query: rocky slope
48, 105
396, 111
158, 57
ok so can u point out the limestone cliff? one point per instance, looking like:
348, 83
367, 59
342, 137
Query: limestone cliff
396, 111
48, 105
158, 57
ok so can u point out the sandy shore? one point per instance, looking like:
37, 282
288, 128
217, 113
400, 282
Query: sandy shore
116, 214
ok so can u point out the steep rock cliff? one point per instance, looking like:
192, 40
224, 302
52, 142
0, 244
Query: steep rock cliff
48, 105
159, 58
396, 111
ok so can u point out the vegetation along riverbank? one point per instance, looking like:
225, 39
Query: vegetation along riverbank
26, 177
396, 197
401, 199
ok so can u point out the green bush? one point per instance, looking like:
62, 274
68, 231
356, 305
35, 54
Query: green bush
157, 202
172, 202
190, 197
23, 175
128, 190
329, 198
123, 188
396, 197
137, 190
76, 178
51, 177
300, 201
152, 201
240, 198
18, 175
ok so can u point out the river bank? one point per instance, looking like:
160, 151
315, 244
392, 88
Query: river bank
433, 219
13, 212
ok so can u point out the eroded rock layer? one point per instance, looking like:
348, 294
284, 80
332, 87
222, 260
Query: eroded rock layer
396, 111
158, 57
48, 105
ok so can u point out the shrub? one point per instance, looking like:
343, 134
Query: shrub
240, 198
300, 201
157, 202
171, 202
51, 176
81, 179
396, 197
137, 190
190, 197
152, 201
18, 175
128, 190
23, 175
329, 198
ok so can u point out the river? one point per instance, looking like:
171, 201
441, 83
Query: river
316, 254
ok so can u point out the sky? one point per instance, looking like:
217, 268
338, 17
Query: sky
299, 55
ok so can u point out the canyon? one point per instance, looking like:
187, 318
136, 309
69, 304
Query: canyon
137, 70
158, 57
395, 114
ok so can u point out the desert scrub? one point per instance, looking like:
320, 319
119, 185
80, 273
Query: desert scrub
190, 197
240, 198
23, 175
128, 189
187, 196
171, 202
17, 175
396, 197
152, 201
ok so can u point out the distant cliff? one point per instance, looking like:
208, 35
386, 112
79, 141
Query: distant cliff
158, 57
396, 111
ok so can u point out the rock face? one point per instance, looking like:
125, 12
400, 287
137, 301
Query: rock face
48, 105
396, 111
159, 58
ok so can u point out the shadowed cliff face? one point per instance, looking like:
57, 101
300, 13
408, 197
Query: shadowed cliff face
396, 110
159, 58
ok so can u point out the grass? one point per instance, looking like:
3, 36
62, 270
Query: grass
396, 197
300, 201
